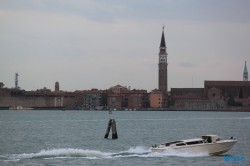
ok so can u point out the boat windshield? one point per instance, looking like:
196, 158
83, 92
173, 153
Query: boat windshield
207, 139
210, 138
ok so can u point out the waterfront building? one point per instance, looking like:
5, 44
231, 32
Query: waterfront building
94, 99
188, 98
118, 97
180, 93
39, 99
138, 99
116, 101
157, 99
199, 104
227, 89
118, 89
163, 66
122, 98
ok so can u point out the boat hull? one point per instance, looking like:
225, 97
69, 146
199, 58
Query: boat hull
216, 148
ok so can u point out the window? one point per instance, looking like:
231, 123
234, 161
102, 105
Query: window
180, 144
194, 142
169, 143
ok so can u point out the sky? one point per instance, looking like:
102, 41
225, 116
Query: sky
85, 44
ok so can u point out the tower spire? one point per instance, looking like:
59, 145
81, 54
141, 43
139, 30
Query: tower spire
245, 72
163, 44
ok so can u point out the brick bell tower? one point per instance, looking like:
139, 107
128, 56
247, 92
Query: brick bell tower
163, 65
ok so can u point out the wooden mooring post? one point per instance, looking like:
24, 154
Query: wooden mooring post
112, 125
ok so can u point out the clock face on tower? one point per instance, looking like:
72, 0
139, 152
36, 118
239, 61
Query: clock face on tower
163, 59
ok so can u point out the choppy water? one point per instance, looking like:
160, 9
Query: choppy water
76, 137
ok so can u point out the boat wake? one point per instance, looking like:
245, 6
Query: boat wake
138, 151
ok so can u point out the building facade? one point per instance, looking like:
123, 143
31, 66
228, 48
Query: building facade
138, 99
227, 89
39, 99
122, 98
93, 99
157, 99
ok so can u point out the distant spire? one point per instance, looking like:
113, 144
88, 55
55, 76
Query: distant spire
245, 72
245, 69
16, 81
57, 88
163, 44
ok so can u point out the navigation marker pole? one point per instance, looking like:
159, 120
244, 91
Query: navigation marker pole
111, 124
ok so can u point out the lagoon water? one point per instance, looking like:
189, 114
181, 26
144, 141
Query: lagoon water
77, 137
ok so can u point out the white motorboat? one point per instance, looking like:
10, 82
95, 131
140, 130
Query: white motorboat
211, 144
20, 108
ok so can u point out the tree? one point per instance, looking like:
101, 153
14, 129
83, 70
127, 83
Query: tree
1, 85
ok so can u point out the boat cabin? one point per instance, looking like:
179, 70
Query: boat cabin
195, 141
184, 142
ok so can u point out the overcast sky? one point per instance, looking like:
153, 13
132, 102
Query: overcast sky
87, 44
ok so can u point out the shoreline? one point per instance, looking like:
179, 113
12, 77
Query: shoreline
138, 110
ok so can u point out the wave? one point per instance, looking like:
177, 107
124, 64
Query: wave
246, 118
67, 153
138, 151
